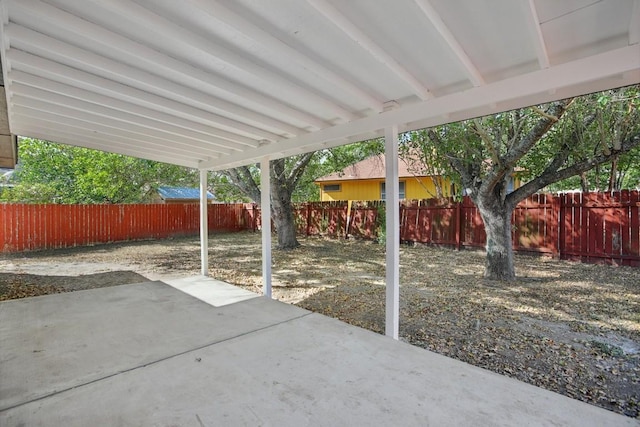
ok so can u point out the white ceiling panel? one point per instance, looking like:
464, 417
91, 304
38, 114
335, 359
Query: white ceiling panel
590, 33
220, 83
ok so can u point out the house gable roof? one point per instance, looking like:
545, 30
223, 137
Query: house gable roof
373, 168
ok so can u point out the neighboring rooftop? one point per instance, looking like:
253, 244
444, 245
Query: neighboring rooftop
373, 168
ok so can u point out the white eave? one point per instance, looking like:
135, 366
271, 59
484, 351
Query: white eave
215, 84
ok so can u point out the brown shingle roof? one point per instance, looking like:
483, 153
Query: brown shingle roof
371, 168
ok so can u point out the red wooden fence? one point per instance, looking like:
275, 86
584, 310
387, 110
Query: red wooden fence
599, 227
326, 218
365, 219
590, 227
332, 218
29, 227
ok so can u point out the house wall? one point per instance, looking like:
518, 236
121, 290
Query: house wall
369, 189
424, 187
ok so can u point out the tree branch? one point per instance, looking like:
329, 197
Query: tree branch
561, 157
242, 179
495, 155
544, 114
298, 169
519, 149
550, 176
456, 163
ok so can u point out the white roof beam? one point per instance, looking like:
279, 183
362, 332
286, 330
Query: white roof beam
93, 127
164, 28
62, 23
115, 128
58, 72
20, 79
47, 47
49, 130
223, 14
358, 36
533, 22
25, 95
436, 20
60, 136
517, 91
23, 91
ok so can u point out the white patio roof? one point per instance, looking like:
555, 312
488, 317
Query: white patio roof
215, 84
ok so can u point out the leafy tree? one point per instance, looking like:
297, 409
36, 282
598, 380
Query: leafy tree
292, 180
285, 175
55, 173
624, 174
421, 160
615, 115
546, 144
224, 190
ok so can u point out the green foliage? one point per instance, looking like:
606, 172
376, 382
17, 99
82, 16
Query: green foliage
598, 121
618, 118
56, 173
225, 190
421, 158
627, 176
338, 158
28, 193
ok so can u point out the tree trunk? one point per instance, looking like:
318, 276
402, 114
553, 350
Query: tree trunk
584, 182
497, 224
283, 217
437, 182
613, 174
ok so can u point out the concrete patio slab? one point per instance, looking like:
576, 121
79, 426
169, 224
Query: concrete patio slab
57, 342
210, 290
150, 355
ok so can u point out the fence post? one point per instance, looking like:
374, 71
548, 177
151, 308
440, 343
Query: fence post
308, 219
348, 219
458, 224
254, 217
558, 212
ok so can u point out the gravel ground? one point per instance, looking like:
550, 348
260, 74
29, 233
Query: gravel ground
568, 327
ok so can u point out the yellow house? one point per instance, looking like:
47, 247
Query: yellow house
365, 180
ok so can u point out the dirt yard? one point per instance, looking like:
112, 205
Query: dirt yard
568, 327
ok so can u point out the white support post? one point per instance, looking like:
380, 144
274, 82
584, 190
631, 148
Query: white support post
265, 207
204, 228
392, 190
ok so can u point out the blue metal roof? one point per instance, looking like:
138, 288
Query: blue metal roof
181, 193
